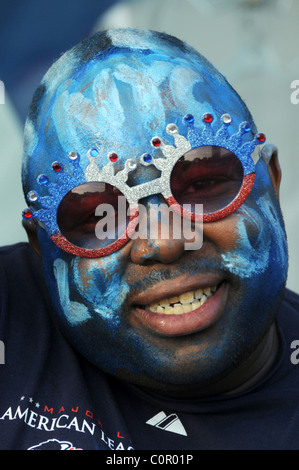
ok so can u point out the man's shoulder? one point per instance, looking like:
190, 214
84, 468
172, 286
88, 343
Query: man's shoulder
17, 253
291, 299
17, 247
18, 264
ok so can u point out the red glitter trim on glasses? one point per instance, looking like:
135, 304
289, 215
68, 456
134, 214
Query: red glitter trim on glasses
243, 194
67, 246
246, 188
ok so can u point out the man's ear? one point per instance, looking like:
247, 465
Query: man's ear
31, 229
270, 157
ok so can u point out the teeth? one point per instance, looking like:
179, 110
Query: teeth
198, 293
159, 309
187, 298
183, 303
177, 309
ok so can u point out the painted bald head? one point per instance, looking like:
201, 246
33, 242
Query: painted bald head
115, 90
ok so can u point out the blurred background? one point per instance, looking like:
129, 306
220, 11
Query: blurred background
254, 43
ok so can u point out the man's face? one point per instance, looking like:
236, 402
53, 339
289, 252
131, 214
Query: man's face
104, 304
107, 306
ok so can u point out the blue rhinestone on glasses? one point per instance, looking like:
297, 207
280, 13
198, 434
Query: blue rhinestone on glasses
246, 127
42, 180
94, 152
189, 118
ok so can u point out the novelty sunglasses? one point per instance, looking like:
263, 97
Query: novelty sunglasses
204, 177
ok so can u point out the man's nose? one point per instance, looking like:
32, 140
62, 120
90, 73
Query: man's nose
160, 236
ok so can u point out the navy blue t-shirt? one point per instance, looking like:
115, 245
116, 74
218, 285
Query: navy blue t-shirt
52, 398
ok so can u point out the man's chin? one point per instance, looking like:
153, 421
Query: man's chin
193, 378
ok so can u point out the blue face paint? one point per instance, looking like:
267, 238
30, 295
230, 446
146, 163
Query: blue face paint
252, 258
75, 312
116, 102
101, 286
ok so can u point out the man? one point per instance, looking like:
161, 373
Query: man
145, 343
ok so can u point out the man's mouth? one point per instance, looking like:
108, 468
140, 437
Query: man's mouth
187, 312
184, 303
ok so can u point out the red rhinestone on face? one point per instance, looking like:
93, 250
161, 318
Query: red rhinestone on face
208, 118
27, 213
56, 166
113, 157
156, 142
261, 137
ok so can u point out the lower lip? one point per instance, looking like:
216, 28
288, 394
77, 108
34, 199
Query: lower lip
186, 323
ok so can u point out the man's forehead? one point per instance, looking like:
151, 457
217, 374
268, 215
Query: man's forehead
126, 100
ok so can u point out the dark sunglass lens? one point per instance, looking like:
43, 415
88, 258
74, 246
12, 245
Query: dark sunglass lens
210, 175
93, 215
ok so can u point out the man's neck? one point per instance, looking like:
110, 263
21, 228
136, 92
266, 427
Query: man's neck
260, 362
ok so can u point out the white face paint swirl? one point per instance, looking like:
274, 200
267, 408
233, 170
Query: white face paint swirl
75, 312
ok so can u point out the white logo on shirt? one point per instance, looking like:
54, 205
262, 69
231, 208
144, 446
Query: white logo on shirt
170, 423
